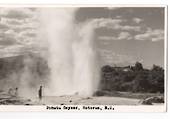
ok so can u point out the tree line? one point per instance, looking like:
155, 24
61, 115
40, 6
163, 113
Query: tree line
132, 78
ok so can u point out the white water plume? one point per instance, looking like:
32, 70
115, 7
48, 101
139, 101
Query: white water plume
71, 53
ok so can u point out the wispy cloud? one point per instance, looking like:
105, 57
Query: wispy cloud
115, 24
151, 34
16, 13
124, 35
110, 57
18, 28
17, 23
107, 38
137, 20
121, 36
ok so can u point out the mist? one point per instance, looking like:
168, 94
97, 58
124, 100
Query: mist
71, 53
66, 62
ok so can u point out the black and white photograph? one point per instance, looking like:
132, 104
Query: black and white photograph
87, 55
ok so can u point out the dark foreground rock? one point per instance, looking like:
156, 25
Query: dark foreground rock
151, 100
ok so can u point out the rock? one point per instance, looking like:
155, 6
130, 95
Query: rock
151, 100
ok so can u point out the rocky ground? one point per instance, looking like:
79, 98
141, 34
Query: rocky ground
6, 99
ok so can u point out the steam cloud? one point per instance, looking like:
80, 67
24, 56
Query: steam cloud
70, 55
71, 51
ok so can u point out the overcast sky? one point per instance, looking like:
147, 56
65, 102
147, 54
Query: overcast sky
122, 35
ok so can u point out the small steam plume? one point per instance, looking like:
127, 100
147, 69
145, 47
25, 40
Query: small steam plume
22, 72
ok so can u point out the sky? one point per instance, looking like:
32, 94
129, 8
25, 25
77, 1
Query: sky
123, 35
126, 35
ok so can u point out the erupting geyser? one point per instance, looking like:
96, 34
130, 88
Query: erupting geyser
71, 51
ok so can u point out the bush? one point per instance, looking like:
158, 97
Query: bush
133, 79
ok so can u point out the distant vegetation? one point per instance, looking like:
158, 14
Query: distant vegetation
132, 79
